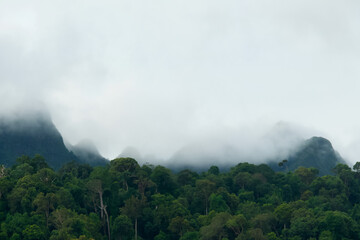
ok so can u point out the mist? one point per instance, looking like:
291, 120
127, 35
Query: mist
162, 77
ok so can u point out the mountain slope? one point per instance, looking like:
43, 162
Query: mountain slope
87, 152
32, 134
315, 152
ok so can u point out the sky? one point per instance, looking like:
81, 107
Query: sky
162, 75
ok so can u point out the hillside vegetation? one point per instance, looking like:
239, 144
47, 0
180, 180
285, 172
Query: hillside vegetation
124, 200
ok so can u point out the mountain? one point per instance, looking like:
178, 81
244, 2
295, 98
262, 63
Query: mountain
35, 133
315, 152
242, 145
87, 152
30, 134
131, 152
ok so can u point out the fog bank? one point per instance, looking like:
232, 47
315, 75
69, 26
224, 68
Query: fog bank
163, 76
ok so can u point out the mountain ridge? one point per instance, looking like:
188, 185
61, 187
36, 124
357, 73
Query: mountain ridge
87, 152
35, 133
316, 152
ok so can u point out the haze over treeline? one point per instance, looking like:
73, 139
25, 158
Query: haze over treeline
167, 76
33, 132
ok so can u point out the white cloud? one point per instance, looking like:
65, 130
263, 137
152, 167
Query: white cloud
157, 75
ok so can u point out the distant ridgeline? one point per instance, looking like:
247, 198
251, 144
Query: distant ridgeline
36, 134
315, 152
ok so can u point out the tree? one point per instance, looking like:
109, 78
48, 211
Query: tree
307, 175
163, 179
133, 209
2, 171
283, 163
217, 203
190, 236
341, 167
356, 167
237, 224
5, 186
95, 186
19, 171
124, 170
243, 180
325, 235
122, 228
162, 236
179, 225
16, 223
60, 218
45, 180
216, 229
38, 162
256, 234
205, 188
143, 183
303, 223
265, 221
65, 198
187, 177
214, 170
44, 204
22, 195
74, 169
329, 186
283, 214
33, 232
340, 224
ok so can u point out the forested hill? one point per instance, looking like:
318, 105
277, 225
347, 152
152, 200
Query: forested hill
31, 135
315, 152
87, 152
124, 200
35, 133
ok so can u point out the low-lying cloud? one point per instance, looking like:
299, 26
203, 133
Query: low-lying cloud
162, 76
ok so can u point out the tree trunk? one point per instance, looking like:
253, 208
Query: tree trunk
206, 207
102, 210
126, 186
136, 229
47, 213
101, 205
107, 220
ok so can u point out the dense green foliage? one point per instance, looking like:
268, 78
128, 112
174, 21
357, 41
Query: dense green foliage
124, 200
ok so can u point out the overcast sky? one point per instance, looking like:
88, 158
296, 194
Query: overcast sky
158, 75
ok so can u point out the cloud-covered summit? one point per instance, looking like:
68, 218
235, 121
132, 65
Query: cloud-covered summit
159, 76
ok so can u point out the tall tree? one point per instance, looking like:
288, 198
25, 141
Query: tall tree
95, 186
133, 209
216, 229
122, 228
44, 204
123, 169
205, 188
